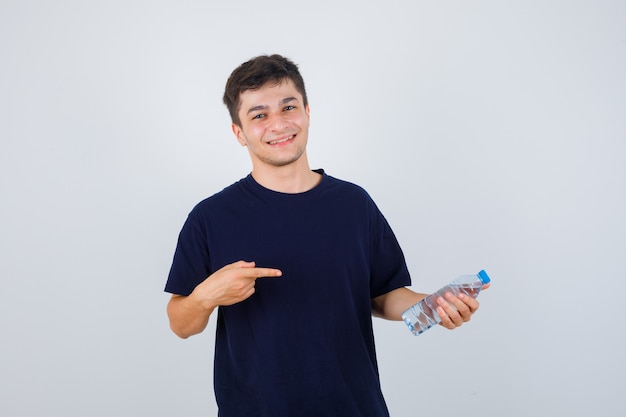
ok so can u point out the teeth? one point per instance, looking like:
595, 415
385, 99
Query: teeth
274, 142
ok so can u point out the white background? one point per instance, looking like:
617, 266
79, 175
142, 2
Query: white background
492, 135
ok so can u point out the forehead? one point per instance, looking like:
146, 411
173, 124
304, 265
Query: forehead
269, 94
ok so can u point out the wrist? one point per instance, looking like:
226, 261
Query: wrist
201, 303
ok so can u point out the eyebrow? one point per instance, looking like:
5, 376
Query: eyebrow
264, 107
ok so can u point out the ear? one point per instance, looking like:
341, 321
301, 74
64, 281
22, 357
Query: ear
307, 109
238, 134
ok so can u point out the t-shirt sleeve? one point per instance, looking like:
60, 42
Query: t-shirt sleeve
191, 263
387, 263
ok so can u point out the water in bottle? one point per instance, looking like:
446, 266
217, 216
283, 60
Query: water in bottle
423, 315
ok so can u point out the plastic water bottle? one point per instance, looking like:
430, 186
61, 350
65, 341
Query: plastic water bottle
423, 315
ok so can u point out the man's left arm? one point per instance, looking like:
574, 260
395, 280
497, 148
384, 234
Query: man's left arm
453, 310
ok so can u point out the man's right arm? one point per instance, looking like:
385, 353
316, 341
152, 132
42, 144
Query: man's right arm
187, 315
231, 284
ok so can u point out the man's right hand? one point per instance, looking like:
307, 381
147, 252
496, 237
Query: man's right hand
231, 284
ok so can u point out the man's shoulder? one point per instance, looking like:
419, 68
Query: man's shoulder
346, 186
220, 198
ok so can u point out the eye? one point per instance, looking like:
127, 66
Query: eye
289, 108
258, 116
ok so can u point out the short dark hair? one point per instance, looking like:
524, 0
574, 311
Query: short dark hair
254, 74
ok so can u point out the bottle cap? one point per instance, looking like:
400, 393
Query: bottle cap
484, 277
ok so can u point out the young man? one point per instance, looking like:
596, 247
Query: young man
297, 262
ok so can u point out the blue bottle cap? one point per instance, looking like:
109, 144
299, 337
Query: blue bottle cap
484, 277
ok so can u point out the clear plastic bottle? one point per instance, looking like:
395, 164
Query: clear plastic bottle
423, 315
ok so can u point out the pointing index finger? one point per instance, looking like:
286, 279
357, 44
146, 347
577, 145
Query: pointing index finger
267, 273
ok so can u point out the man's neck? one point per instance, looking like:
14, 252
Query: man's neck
290, 179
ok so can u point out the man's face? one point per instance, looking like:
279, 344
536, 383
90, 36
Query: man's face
274, 124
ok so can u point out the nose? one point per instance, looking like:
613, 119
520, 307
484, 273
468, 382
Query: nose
277, 123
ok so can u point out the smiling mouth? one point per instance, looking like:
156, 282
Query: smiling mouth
276, 142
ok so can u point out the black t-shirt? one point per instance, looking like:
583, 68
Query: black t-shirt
302, 344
